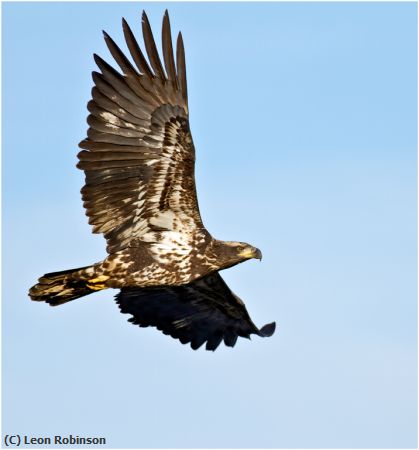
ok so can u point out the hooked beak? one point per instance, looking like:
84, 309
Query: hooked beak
251, 252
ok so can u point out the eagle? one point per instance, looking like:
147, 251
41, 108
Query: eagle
139, 192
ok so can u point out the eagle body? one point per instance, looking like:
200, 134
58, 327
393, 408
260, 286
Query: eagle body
162, 259
139, 192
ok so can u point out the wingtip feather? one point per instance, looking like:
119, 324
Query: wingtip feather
268, 329
150, 46
181, 66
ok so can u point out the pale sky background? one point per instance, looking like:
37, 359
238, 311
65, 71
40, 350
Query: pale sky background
304, 119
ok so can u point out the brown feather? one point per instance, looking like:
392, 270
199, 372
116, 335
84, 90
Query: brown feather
151, 48
181, 67
136, 53
168, 50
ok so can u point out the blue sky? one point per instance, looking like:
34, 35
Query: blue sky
304, 119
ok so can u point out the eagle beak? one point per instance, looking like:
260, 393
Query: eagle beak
251, 252
258, 254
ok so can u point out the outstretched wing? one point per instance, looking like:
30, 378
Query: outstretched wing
139, 156
205, 310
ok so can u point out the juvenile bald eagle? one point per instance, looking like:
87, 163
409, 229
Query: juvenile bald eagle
139, 160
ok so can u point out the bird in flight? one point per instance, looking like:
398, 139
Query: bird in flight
139, 192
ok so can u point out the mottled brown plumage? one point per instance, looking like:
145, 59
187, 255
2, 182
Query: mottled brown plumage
139, 161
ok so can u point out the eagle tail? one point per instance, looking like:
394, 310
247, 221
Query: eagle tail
57, 288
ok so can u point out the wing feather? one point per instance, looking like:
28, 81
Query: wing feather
151, 48
139, 155
104, 102
142, 112
119, 83
135, 50
181, 66
132, 76
202, 311
169, 60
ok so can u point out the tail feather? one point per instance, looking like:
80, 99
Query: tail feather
56, 288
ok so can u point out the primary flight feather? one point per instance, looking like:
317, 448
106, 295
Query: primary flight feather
139, 192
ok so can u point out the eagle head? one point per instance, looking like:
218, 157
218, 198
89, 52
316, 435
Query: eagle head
229, 253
